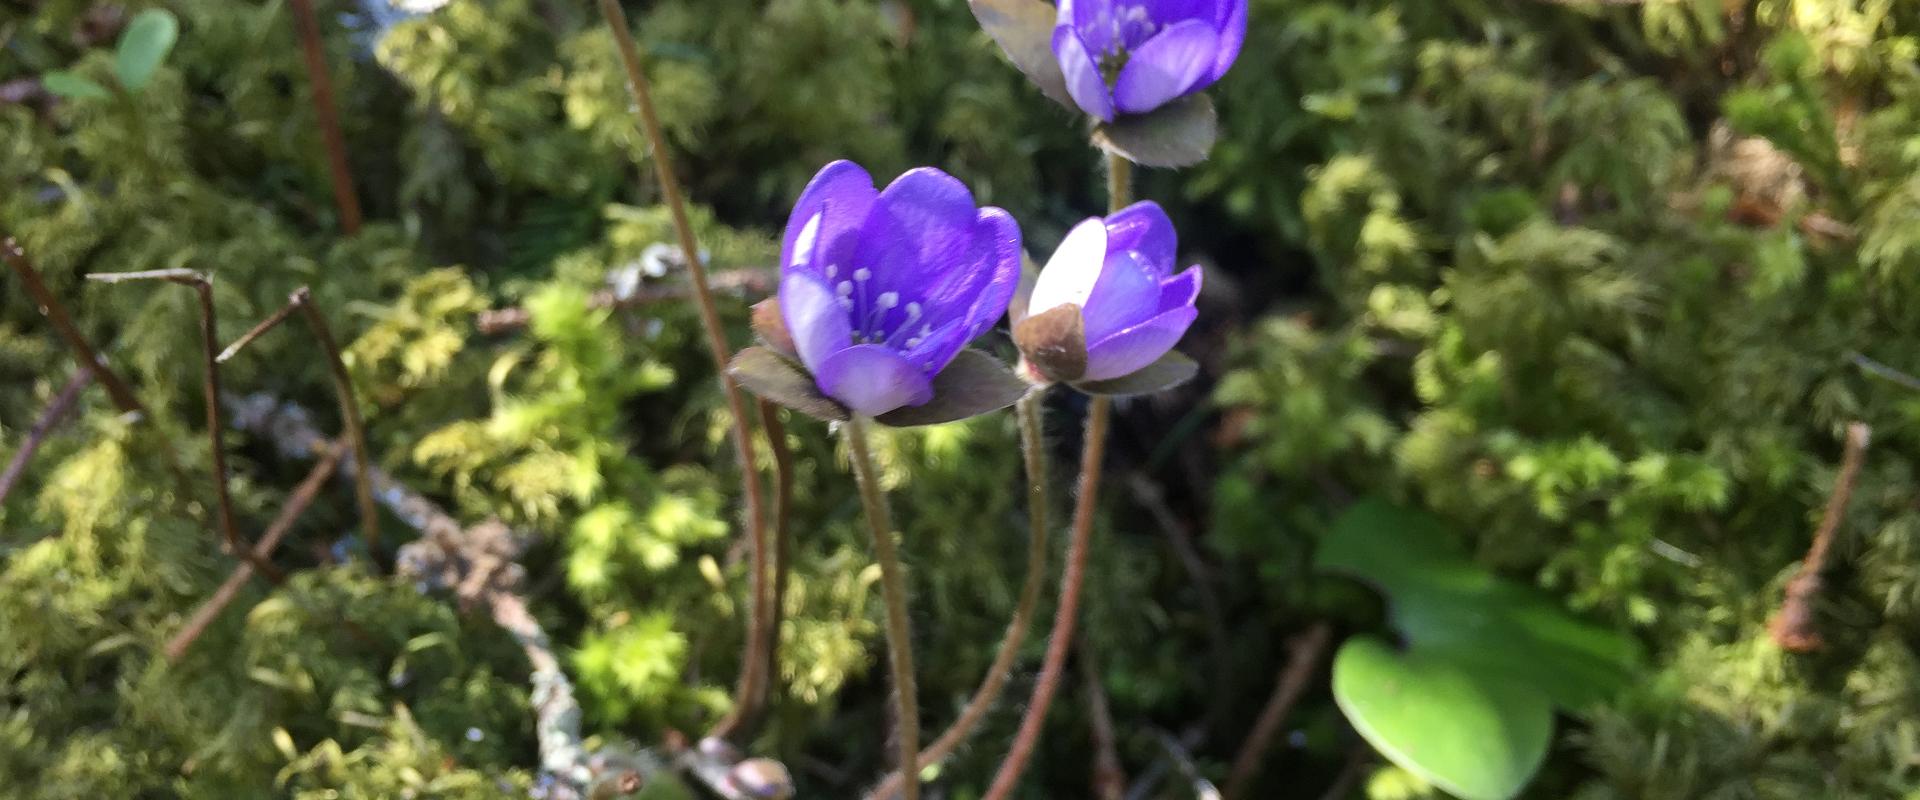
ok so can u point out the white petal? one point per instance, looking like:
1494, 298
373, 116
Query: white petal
1070, 274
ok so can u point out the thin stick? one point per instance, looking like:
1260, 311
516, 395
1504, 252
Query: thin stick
56, 314
51, 418
272, 321
349, 413
1794, 628
216, 429
755, 685
1307, 649
749, 281
297, 503
709, 314
1109, 777
1033, 447
1066, 615
893, 587
307, 25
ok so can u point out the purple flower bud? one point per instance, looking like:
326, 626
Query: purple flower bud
1133, 56
1118, 272
880, 290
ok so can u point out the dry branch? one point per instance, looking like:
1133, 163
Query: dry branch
750, 282
56, 314
1794, 628
51, 418
307, 25
1307, 649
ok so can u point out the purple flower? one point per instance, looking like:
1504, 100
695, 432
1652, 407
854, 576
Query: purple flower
1117, 274
880, 290
1133, 56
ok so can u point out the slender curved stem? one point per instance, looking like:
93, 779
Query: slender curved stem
754, 672
893, 586
307, 24
349, 415
1066, 615
1033, 446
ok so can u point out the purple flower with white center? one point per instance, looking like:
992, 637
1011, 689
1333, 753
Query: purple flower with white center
1107, 304
881, 290
1123, 57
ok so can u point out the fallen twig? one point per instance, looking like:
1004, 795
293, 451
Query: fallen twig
49, 419
56, 314
1794, 628
297, 503
216, 429
1307, 649
752, 282
479, 565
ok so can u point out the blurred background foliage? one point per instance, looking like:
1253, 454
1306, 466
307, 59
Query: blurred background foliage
1593, 282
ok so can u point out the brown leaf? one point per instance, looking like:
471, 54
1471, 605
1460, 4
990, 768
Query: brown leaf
777, 379
974, 384
1054, 342
1179, 134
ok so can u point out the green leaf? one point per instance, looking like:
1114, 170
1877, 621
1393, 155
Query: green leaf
72, 86
974, 384
1024, 31
1472, 734
1444, 603
776, 379
1171, 370
144, 46
1178, 134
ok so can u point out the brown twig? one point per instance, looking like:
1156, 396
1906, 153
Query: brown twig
216, 429
51, 418
297, 503
1795, 628
306, 25
751, 282
709, 314
1307, 649
56, 314
1066, 615
757, 672
1109, 778
1033, 450
301, 302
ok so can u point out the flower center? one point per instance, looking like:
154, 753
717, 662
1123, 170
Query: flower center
1128, 26
873, 315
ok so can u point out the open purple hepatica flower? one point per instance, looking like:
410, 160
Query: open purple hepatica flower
1124, 57
880, 293
1107, 309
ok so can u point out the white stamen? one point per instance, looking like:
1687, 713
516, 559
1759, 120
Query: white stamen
862, 274
843, 288
889, 299
846, 303
833, 270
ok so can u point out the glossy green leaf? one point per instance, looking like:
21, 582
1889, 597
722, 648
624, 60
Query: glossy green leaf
1178, 134
1169, 371
1469, 732
144, 47
72, 86
974, 384
1444, 603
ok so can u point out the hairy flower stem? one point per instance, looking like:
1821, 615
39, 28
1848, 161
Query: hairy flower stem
756, 668
1033, 447
1066, 615
893, 587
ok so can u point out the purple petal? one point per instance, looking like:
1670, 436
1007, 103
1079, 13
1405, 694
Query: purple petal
1232, 28
1144, 227
826, 219
1180, 290
919, 227
972, 296
999, 251
1084, 82
937, 348
1167, 12
1128, 293
814, 318
1129, 350
1166, 66
871, 379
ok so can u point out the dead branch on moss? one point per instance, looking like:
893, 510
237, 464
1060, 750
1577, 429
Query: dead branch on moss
1307, 649
1795, 628
306, 25
750, 282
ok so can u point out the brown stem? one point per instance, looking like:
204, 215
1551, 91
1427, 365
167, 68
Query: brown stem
893, 588
272, 321
306, 25
1794, 628
216, 429
709, 314
49, 419
749, 281
349, 413
56, 314
755, 685
1066, 616
1033, 448
1109, 777
1307, 649
297, 503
